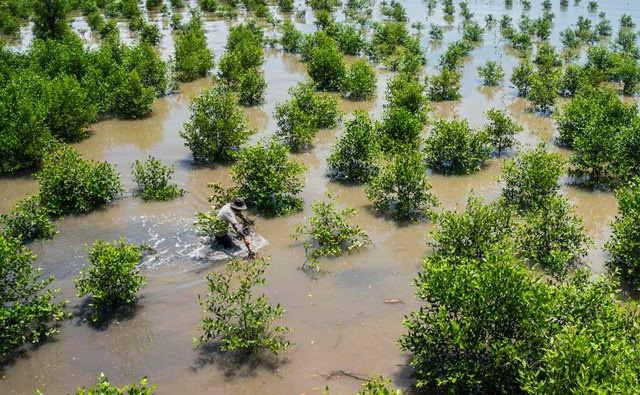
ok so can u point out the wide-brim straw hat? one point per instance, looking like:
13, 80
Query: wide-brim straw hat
238, 204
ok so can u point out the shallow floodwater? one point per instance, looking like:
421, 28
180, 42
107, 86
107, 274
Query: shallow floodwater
338, 320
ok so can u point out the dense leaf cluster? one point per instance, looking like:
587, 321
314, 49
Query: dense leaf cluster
217, 127
267, 179
300, 118
240, 66
237, 318
153, 179
113, 279
354, 157
27, 306
402, 187
330, 232
70, 184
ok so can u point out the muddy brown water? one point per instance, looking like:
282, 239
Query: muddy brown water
338, 320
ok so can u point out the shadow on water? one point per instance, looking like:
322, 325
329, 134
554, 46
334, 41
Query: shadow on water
84, 314
237, 363
24, 352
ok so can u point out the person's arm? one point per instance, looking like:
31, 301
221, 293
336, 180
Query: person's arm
245, 219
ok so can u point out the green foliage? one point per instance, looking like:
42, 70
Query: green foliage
405, 91
473, 233
349, 38
607, 345
285, 5
402, 187
113, 278
324, 5
330, 232
217, 126
193, 58
453, 57
69, 110
453, 147
479, 316
245, 40
360, 81
237, 318
153, 178
552, 238
544, 91
394, 10
378, 385
436, 32
26, 305
70, 184
501, 130
268, 180
354, 157
531, 178
132, 99
103, 387
28, 221
571, 81
12, 13
326, 67
598, 108
490, 326
522, 77
444, 86
25, 137
627, 71
50, 18
593, 163
387, 38
624, 245
472, 32
491, 73
400, 127
307, 111
252, 88
208, 5
290, 38
151, 34
125, 80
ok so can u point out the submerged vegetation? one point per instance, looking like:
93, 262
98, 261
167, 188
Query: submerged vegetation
507, 303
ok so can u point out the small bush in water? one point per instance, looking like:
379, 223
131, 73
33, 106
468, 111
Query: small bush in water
624, 245
193, 58
491, 73
113, 278
360, 81
307, 111
402, 187
330, 232
153, 178
531, 178
237, 318
217, 126
28, 221
26, 305
501, 130
70, 184
354, 157
103, 387
453, 147
267, 179
552, 238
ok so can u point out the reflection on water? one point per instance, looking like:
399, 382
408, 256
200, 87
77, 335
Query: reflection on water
339, 320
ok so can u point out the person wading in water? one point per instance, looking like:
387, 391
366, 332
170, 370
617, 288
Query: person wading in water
229, 213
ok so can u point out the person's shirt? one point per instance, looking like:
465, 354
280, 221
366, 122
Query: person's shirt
227, 215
